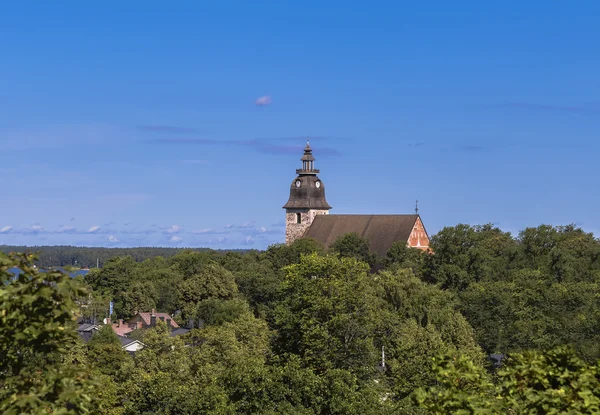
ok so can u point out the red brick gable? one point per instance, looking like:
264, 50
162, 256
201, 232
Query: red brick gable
418, 236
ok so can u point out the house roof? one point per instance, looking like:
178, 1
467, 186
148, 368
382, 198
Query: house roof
146, 318
381, 230
87, 327
125, 341
179, 332
122, 329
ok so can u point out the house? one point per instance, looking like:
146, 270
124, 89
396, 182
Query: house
307, 216
87, 330
130, 345
142, 321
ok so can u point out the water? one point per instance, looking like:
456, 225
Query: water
73, 274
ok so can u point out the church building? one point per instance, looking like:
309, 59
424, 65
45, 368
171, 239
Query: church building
307, 216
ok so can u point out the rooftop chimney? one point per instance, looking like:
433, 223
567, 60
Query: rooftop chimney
152, 320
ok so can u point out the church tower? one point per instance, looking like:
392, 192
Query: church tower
307, 199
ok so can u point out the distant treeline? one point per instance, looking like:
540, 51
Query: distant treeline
90, 257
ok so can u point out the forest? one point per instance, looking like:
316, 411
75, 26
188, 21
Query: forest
303, 330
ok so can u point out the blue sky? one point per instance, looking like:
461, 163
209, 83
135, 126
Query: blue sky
181, 123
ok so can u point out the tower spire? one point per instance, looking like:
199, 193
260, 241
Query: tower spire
417, 207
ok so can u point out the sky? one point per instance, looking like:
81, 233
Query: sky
152, 123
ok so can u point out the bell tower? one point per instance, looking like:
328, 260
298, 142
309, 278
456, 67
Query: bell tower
307, 198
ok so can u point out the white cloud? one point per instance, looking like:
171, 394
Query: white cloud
263, 101
94, 228
173, 229
6, 229
249, 240
175, 239
113, 239
229, 226
36, 228
203, 231
66, 229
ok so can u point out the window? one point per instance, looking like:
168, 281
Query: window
298, 218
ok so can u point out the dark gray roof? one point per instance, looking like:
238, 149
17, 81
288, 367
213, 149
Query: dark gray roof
86, 335
381, 230
308, 195
179, 332
87, 327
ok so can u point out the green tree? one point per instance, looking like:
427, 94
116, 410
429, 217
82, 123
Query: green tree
211, 282
328, 313
553, 382
36, 333
402, 256
352, 245
105, 351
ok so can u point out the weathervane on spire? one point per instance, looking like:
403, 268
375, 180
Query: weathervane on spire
417, 207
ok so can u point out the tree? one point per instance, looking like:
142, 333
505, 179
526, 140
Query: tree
464, 254
327, 314
554, 382
211, 282
281, 255
352, 245
402, 256
105, 352
36, 332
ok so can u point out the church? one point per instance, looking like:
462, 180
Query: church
307, 216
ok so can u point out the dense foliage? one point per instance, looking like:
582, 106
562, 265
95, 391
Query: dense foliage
303, 330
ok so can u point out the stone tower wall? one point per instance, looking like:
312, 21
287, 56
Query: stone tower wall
295, 230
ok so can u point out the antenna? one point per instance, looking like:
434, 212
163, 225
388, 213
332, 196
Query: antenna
417, 207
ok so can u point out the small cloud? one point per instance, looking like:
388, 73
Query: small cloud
66, 229
249, 240
279, 224
229, 226
6, 229
36, 229
175, 239
204, 231
173, 229
113, 239
209, 231
247, 225
94, 228
166, 129
222, 240
263, 101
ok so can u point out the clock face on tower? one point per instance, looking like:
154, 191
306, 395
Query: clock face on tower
298, 183
318, 184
